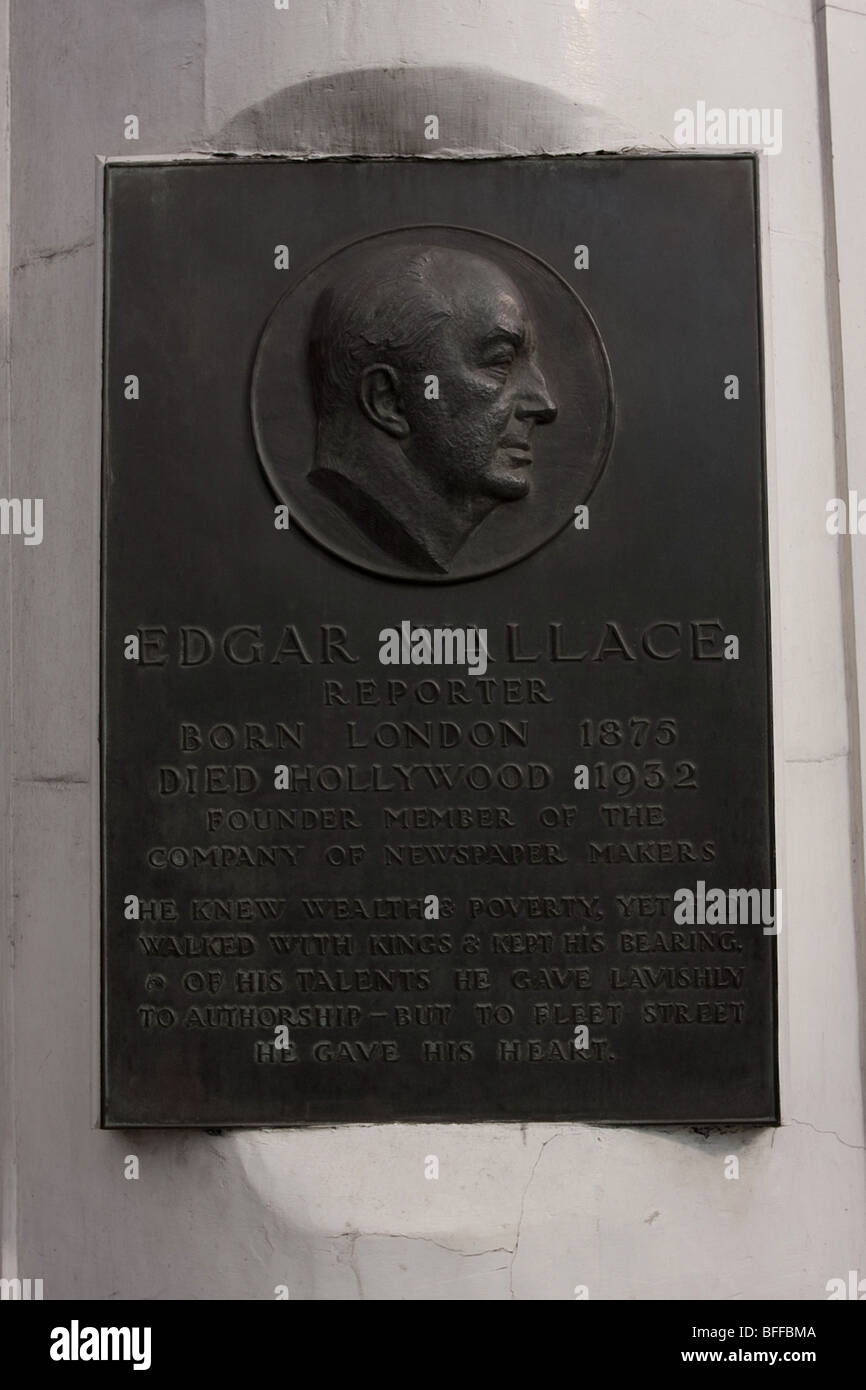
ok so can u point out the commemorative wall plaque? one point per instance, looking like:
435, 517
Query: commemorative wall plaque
436, 743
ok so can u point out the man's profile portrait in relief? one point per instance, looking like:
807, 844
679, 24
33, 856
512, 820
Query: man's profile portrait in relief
427, 388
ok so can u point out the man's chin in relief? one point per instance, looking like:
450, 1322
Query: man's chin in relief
427, 390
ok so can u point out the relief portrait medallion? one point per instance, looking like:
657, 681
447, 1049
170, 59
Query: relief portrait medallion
432, 403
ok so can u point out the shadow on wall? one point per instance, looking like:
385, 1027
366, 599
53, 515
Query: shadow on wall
386, 111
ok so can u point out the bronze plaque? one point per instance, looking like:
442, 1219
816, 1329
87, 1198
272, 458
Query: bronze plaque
436, 737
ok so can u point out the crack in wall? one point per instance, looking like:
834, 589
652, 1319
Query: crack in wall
831, 1133
523, 1196
54, 253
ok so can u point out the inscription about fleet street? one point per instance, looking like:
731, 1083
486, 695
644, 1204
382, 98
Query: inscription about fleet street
436, 736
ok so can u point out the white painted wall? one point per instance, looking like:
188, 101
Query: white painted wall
517, 1212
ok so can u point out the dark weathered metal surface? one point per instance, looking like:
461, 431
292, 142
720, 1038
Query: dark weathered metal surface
360, 864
